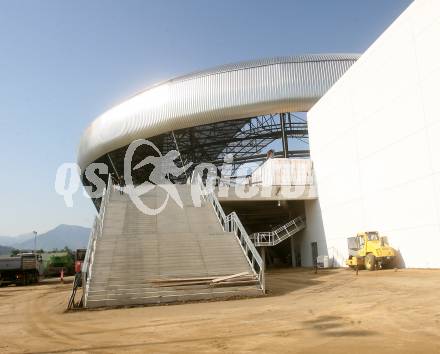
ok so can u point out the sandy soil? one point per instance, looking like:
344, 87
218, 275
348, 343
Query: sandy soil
331, 312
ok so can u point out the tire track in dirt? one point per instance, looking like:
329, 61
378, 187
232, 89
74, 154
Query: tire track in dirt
43, 322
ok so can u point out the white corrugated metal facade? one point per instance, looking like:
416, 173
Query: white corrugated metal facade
228, 92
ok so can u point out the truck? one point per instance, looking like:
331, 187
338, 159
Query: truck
22, 269
370, 250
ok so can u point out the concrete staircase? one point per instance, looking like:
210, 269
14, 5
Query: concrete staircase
134, 249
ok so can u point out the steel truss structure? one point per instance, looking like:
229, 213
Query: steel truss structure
246, 140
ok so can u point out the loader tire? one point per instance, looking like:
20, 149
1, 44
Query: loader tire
370, 262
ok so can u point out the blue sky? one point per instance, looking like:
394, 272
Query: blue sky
62, 63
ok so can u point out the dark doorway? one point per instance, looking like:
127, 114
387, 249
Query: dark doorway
264, 216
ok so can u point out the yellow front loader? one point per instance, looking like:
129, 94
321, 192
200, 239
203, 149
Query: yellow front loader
371, 251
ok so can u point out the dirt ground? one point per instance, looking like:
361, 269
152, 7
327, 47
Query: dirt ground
333, 311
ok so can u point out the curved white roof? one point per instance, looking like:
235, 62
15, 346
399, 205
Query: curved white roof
287, 84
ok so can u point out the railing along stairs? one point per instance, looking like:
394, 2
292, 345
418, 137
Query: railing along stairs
94, 235
232, 223
274, 237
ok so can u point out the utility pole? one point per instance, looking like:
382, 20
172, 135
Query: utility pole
35, 248
35, 241
113, 166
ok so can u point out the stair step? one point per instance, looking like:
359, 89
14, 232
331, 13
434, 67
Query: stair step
166, 298
179, 242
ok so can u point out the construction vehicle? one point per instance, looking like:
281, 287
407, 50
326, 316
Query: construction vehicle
22, 269
80, 255
371, 251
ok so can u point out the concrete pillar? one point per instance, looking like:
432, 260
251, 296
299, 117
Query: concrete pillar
263, 255
292, 250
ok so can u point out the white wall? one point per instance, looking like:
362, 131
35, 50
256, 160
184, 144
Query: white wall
375, 142
314, 232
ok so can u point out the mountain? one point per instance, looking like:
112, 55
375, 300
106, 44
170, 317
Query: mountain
13, 240
5, 250
63, 235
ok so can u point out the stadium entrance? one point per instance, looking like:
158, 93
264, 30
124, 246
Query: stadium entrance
262, 218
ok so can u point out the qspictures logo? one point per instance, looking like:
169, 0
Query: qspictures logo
164, 166
203, 179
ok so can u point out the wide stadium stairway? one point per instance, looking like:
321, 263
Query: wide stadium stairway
180, 254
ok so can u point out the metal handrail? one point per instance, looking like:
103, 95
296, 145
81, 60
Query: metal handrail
95, 233
274, 237
217, 209
232, 223
252, 255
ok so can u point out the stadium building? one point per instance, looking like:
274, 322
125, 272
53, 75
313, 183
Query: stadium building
321, 146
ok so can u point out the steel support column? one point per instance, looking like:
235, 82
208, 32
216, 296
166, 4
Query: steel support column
292, 251
283, 134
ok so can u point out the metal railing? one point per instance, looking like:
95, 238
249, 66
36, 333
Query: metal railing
95, 233
232, 223
274, 237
